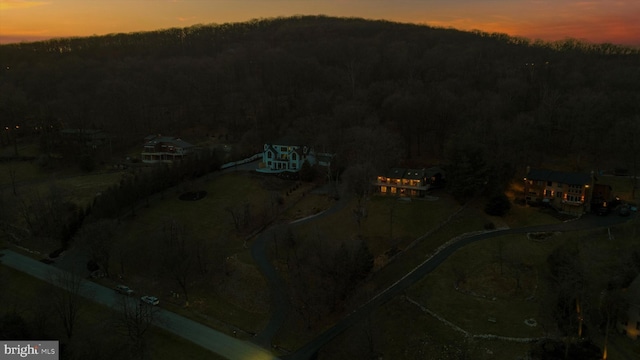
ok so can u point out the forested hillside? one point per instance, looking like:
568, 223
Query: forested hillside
352, 86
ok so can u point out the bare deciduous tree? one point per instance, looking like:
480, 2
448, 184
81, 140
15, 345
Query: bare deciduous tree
66, 299
98, 238
178, 260
135, 321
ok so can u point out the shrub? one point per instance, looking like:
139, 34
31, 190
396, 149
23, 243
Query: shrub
489, 226
87, 163
498, 205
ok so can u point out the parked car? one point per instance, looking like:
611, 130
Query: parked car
151, 300
624, 210
123, 289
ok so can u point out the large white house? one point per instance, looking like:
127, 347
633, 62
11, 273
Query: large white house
283, 156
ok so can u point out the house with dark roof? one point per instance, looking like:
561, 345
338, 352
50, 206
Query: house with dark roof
288, 155
407, 182
629, 322
165, 149
567, 192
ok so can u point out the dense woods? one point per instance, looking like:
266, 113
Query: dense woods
438, 91
377, 94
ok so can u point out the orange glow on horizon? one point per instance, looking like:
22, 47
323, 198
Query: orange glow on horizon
595, 21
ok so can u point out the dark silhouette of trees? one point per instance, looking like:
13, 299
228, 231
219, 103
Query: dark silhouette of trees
177, 254
98, 239
572, 302
66, 299
323, 274
136, 318
14, 326
323, 76
467, 170
498, 205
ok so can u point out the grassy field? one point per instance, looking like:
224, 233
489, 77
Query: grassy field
237, 298
95, 327
420, 336
469, 288
485, 292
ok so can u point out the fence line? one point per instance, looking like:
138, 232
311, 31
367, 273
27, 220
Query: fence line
240, 162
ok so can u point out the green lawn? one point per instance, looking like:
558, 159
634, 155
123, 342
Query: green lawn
494, 293
238, 299
411, 220
401, 330
523, 216
405, 331
22, 170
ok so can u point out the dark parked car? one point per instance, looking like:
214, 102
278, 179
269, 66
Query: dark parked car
151, 300
123, 289
624, 210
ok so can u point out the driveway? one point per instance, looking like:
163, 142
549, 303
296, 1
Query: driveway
310, 349
219, 343
280, 305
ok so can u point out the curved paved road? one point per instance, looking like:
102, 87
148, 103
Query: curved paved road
219, 343
279, 291
310, 349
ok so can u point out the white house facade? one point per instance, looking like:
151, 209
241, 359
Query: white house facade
284, 156
280, 158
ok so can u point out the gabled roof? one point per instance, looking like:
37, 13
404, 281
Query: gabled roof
559, 176
153, 140
414, 174
395, 173
270, 148
433, 171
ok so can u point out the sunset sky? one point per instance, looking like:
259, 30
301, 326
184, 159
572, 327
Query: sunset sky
616, 21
